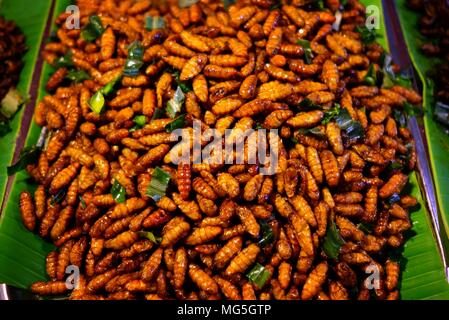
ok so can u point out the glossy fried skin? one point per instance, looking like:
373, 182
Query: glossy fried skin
206, 233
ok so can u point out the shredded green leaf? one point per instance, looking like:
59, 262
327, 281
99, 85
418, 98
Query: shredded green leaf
390, 78
135, 59
158, 184
186, 3
308, 54
368, 36
77, 76
82, 202
319, 4
267, 234
400, 117
316, 131
308, 104
174, 105
96, 102
58, 197
227, 3
118, 192
331, 114
154, 22
110, 87
367, 228
333, 241
140, 121
412, 110
353, 129
27, 156
177, 123
371, 76
185, 87
159, 113
64, 61
393, 199
93, 29
258, 275
150, 236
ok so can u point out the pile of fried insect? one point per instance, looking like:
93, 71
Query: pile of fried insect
139, 227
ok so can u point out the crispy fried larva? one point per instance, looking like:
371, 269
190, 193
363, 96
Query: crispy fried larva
243, 260
394, 185
123, 240
202, 279
151, 265
306, 119
52, 288
314, 281
228, 183
27, 210
227, 252
249, 221
203, 235
240, 68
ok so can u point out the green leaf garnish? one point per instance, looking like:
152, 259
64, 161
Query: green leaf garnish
330, 114
27, 156
96, 102
150, 236
353, 129
227, 3
110, 87
177, 123
154, 22
135, 59
308, 54
333, 241
77, 76
267, 235
393, 199
174, 105
319, 4
159, 113
185, 87
368, 36
140, 121
400, 117
316, 131
258, 275
412, 110
371, 76
118, 192
65, 61
58, 197
82, 202
308, 104
367, 228
390, 78
158, 184
93, 29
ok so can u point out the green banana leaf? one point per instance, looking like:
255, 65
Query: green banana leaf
438, 141
423, 274
22, 254
31, 17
